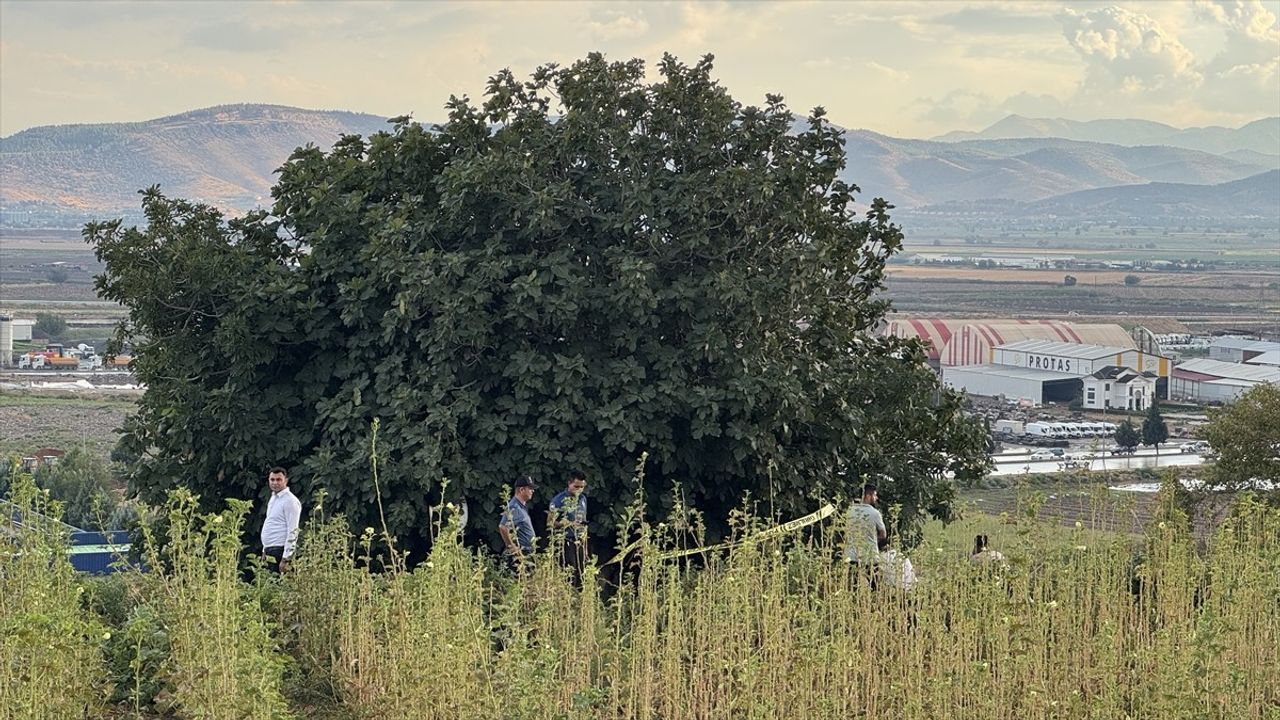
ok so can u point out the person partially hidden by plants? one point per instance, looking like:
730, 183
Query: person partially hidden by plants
567, 514
865, 531
516, 527
280, 528
982, 552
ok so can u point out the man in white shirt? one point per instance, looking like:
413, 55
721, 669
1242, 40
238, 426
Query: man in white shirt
866, 530
280, 529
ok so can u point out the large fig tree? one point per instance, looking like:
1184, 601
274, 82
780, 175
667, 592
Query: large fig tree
584, 268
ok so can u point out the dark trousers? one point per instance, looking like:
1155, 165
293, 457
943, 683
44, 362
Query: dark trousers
574, 557
272, 557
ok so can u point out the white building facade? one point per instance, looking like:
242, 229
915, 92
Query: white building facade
1119, 388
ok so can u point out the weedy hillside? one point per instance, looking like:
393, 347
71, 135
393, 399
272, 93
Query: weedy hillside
1073, 624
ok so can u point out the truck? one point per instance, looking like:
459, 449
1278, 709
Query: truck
1012, 427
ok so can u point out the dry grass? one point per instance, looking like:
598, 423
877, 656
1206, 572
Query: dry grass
1077, 624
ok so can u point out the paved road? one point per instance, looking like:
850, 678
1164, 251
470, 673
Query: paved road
1016, 464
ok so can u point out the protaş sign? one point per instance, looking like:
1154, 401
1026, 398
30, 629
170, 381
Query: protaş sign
1050, 362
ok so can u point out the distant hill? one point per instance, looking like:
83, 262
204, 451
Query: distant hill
1254, 200
227, 156
224, 155
1260, 136
913, 173
1257, 196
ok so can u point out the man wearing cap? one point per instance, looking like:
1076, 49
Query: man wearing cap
516, 528
866, 530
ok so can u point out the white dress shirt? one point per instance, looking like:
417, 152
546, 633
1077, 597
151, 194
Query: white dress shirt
280, 528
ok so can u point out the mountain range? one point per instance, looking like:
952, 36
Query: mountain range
227, 155
1260, 136
224, 155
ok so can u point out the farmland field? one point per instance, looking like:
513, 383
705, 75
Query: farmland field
1240, 292
31, 422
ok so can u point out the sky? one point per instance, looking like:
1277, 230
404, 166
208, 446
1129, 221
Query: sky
908, 69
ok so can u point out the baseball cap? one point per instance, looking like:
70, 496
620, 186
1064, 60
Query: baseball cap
524, 481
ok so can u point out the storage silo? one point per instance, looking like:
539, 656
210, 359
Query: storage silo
6, 340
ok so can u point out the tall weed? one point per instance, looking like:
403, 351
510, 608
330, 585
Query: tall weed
51, 663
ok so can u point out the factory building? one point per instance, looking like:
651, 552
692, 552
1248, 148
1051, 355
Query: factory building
1210, 381
1271, 358
1240, 350
952, 342
1040, 371
1078, 359
1034, 387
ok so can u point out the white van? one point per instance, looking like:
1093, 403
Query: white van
1038, 429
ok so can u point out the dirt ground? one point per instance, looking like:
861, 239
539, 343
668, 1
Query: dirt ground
28, 423
1233, 280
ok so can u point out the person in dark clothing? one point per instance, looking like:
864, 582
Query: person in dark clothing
516, 527
567, 514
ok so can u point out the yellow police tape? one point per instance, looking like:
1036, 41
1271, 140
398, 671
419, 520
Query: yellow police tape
822, 513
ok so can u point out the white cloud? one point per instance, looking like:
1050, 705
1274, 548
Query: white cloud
891, 73
1246, 72
1129, 53
620, 26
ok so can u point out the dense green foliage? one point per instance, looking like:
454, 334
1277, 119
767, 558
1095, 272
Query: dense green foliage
49, 326
1127, 435
1154, 429
82, 483
584, 268
1246, 438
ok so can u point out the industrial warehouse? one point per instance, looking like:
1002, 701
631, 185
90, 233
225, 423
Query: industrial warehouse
1100, 366
1039, 371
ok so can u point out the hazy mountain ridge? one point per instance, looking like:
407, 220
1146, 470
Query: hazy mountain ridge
1260, 136
227, 156
924, 172
1256, 197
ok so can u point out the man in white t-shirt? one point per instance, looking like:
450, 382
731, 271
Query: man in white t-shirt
280, 528
866, 530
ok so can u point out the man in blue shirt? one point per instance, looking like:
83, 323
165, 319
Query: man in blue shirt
516, 528
568, 514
